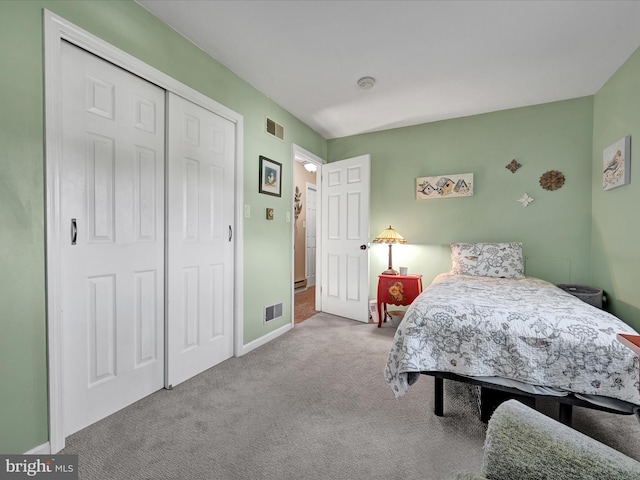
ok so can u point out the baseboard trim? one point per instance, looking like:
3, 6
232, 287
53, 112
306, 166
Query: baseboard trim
44, 449
265, 339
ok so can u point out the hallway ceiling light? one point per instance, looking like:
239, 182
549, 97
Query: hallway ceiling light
309, 166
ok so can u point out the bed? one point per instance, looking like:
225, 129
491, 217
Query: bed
487, 324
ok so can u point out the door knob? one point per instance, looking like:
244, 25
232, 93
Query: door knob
363, 247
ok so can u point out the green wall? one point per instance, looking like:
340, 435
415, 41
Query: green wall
555, 228
615, 230
23, 374
561, 240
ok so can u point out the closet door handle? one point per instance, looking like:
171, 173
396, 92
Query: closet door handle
230, 233
74, 231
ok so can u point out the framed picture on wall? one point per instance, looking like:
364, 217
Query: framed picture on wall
616, 164
445, 186
270, 177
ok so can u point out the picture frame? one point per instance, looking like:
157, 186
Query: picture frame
616, 164
444, 186
270, 177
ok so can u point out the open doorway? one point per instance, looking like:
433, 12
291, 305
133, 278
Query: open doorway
305, 227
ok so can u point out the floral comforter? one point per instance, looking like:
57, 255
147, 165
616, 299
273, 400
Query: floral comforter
526, 329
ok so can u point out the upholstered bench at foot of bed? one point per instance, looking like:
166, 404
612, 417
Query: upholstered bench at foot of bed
524, 444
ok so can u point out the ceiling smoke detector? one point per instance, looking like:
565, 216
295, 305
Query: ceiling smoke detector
366, 83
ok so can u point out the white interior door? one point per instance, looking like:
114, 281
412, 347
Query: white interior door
112, 245
345, 237
200, 277
311, 235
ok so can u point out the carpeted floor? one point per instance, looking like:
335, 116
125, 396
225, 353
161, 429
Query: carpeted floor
311, 404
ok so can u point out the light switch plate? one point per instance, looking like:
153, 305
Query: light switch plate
247, 211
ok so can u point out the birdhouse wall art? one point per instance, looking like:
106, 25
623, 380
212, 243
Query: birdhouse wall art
445, 186
616, 164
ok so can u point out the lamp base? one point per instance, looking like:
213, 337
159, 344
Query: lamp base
390, 271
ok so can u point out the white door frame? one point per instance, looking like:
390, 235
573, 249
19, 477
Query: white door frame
56, 30
299, 154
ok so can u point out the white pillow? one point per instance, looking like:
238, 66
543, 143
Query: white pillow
503, 260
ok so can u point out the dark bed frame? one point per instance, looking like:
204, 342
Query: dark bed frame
492, 395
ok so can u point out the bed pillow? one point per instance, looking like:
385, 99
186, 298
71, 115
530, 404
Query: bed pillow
503, 260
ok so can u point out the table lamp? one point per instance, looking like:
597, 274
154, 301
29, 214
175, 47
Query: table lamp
389, 236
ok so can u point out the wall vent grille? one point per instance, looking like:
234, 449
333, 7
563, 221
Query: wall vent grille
275, 129
272, 312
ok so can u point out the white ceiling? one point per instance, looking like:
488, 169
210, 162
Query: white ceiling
432, 60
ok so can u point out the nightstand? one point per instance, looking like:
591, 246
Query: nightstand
397, 290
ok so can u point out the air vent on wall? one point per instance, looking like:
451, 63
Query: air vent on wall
275, 129
272, 312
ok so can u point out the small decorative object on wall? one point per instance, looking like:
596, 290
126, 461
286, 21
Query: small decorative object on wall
513, 166
616, 166
269, 213
445, 186
525, 199
297, 202
270, 175
552, 180
297, 207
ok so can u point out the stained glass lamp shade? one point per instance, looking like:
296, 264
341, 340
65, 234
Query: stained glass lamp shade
390, 236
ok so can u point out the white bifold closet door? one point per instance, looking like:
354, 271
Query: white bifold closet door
200, 251
112, 253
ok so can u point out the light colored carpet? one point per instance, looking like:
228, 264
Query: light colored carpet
312, 404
